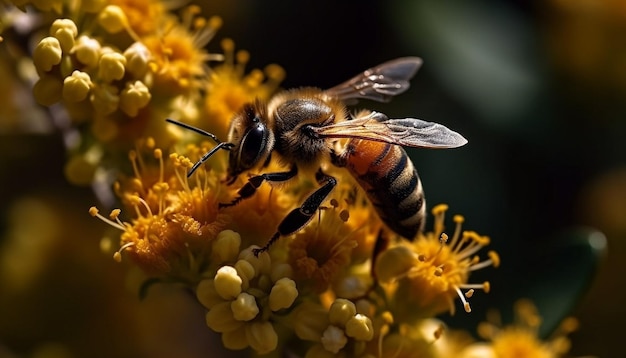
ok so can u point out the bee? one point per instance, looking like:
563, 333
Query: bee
309, 127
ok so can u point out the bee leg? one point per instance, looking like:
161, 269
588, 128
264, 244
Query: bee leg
299, 217
382, 242
255, 182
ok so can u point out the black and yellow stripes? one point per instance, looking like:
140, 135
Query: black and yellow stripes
391, 182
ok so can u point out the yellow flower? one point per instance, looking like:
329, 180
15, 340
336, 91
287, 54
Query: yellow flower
175, 220
47, 53
322, 250
178, 59
229, 87
423, 277
520, 340
142, 16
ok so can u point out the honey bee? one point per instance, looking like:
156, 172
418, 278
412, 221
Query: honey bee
309, 127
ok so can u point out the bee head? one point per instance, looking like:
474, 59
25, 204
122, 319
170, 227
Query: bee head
252, 138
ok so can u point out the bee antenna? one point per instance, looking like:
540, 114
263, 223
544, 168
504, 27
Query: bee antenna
195, 129
222, 145
205, 157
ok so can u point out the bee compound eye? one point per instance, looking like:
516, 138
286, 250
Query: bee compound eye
253, 145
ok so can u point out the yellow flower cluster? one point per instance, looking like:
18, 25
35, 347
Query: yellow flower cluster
430, 271
120, 67
351, 304
117, 72
246, 299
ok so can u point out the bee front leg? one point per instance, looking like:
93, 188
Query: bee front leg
255, 182
299, 217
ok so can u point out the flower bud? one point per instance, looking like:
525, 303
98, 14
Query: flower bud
134, 97
393, 262
207, 295
76, 87
47, 54
227, 282
309, 321
283, 294
87, 51
333, 339
246, 271
360, 327
341, 311
65, 31
111, 66
113, 19
235, 340
244, 307
220, 318
226, 246
262, 264
137, 59
262, 337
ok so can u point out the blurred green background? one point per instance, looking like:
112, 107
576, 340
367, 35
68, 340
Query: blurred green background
538, 88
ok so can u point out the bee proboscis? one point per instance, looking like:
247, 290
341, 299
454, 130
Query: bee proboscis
303, 128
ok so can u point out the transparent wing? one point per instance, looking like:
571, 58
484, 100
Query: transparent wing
379, 83
409, 132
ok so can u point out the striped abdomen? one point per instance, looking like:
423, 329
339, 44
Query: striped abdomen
391, 182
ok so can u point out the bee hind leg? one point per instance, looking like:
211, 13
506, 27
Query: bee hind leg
255, 182
301, 216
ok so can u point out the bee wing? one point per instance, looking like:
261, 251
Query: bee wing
379, 83
409, 132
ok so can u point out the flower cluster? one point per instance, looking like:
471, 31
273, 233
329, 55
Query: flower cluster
119, 68
342, 285
431, 272
248, 298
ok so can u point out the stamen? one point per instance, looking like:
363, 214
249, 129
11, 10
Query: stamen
439, 214
493, 260
135, 201
485, 286
384, 330
132, 155
117, 256
158, 154
466, 304
115, 213
93, 211
458, 219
